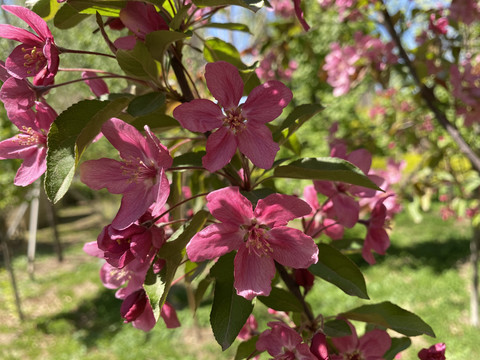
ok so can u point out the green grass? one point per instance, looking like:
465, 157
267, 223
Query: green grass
69, 315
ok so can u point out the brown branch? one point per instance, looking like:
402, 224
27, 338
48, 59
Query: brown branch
429, 97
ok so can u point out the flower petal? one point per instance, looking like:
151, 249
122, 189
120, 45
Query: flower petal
214, 241
346, 209
199, 115
32, 167
13, 149
17, 96
253, 274
135, 202
160, 193
125, 138
375, 343
31, 18
18, 34
225, 83
16, 65
229, 206
146, 321
256, 143
266, 102
45, 115
347, 344
291, 247
104, 173
279, 209
361, 158
221, 146
97, 86
169, 315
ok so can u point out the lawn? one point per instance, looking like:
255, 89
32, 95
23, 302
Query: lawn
69, 315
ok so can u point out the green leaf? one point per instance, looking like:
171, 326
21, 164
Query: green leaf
246, 348
390, 316
398, 345
281, 300
102, 7
179, 17
146, 104
172, 252
297, 117
189, 159
45, 8
339, 270
336, 328
216, 49
68, 137
138, 62
325, 168
229, 311
155, 120
157, 42
228, 26
68, 17
155, 288
201, 290
253, 5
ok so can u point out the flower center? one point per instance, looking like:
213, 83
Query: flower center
29, 137
256, 239
34, 59
356, 355
235, 121
140, 170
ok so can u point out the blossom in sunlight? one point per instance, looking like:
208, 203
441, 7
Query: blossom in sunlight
141, 19
371, 346
434, 352
140, 177
31, 143
260, 237
283, 342
37, 56
239, 126
377, 238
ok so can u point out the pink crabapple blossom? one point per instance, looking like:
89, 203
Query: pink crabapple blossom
31, 143
141, 19
434, 352
284, 343
371, 346
37, 56
238, 126
260, 237
140, 177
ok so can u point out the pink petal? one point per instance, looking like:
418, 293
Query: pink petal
229, 206
266, 102
374, 344
97, 86
146, 321
135, 202
111, 277
361, 158
52, 55
21, 35
35, 21
279, 339
125, 138
125, 42
225, 83
45, 115
169, 315
25, 119
15, 63
253, 274
17, 96
214, 241
13, 149
311, 197
104, 173
319, 346
221, 146
199, 115
326, 188
91, 248
302, 352
378, 240
142, 18
279, 209
256, 143
333, 230
160, 193
291, 247
155, 150
32, 168
4, 75
347, 344
346, 209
